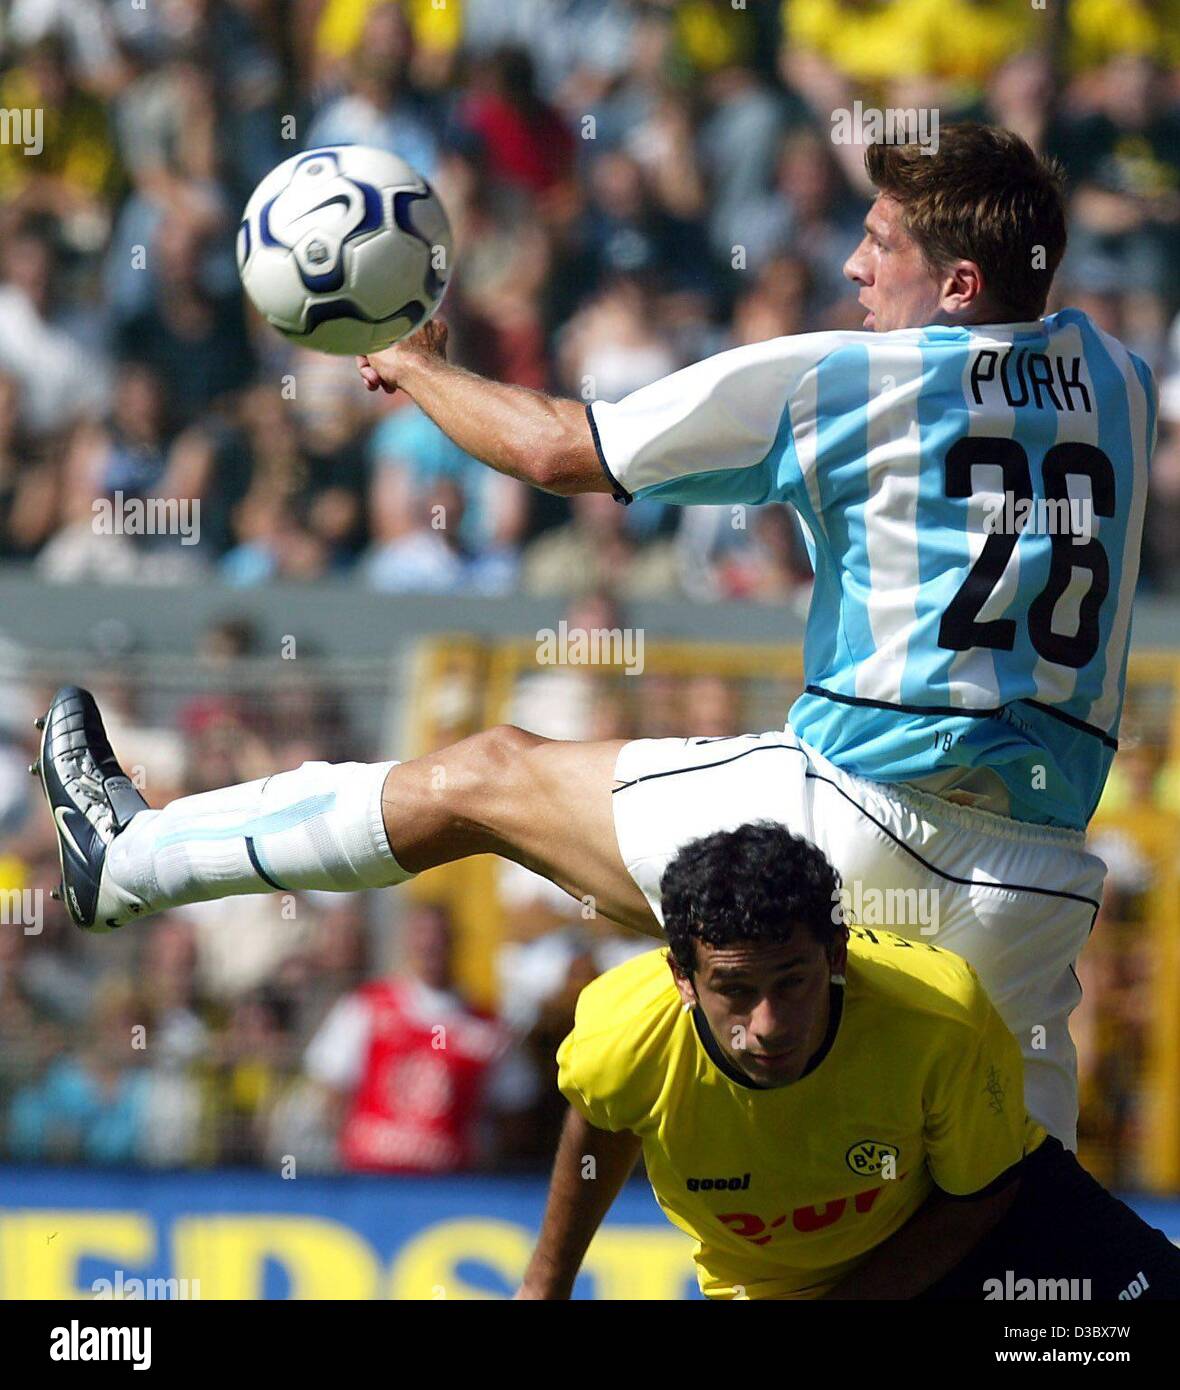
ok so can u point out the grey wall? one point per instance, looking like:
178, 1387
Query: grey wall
347, 621
340, 618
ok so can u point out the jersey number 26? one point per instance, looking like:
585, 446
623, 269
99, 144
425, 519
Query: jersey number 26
960, 628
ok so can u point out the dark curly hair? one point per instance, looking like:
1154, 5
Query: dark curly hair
756, 883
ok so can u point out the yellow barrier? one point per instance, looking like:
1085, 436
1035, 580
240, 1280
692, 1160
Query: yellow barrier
226, 1255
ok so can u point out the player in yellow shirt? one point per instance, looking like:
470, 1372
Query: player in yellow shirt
828, 1112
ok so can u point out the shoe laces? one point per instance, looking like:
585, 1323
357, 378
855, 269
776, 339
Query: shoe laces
86, 783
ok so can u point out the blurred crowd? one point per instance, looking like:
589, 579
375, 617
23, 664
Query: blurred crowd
315, 1030
319, 1032
632, 184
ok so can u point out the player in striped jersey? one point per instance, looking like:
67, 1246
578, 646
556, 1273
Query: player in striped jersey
971, 474
973, 504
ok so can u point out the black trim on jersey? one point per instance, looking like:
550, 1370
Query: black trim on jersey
725, 1066
618, 491
258, 869
700, 767
716, 738
897, 840
954, 878
1072, 720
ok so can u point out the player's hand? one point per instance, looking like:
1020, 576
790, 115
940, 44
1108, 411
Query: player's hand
382, 371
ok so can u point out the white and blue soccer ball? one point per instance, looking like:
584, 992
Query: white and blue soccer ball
344, 249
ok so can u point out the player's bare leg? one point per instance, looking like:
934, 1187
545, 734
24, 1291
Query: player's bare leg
545, 803
329, 826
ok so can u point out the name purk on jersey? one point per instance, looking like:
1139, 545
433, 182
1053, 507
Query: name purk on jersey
972, 501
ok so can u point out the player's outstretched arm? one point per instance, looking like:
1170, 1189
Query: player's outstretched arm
940, 1235
539, 439
590, 1168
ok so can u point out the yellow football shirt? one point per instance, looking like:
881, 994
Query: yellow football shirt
870, 41
1104, 29
880, 41
787, 1190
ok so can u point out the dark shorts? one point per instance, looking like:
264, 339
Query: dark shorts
1065, 1238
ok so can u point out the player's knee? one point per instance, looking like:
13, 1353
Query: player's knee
506, 743
498, 758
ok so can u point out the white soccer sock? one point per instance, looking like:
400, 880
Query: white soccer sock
319, 826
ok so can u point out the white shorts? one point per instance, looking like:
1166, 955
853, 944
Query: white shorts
1016, 900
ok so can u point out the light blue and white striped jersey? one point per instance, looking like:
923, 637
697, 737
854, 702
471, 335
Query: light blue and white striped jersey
973, 501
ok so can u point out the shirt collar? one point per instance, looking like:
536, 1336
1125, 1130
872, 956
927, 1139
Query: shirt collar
717, 1056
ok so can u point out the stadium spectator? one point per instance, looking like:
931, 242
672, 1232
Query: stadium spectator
410, 455
64, 162
431, 556
712, 707
168, 970
810, 213
84, 28
378, 108
596, 550
44, 967
338, 28
578, 46
128, 452
1126, 210
27, 483
59, 382
523, 142
335, 962
179, 1045
656, 123
193, 336
738, 141
828, 45
613, 346
252, 1064
407, 1060
767, 564
150, 533
625, 231
29, 1038
1101, 30
270, 543
90, 1105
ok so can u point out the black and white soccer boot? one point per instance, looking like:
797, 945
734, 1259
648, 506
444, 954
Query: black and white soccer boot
91, 800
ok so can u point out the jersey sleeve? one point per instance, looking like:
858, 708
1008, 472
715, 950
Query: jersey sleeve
579, 1081
976, 1124
718, 431
611, 1065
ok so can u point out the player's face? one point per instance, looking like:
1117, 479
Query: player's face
898, 288
767, 1005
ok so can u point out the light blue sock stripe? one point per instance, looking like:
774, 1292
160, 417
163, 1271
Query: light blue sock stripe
272, 824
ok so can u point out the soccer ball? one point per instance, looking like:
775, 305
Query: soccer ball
344, 249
